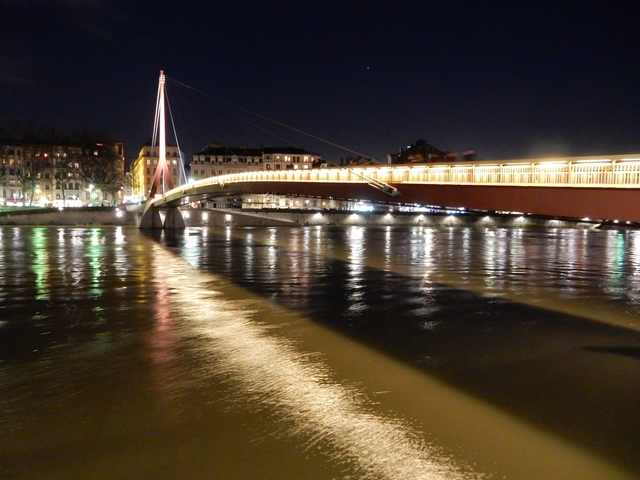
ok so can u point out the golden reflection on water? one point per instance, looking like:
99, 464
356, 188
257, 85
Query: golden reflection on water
301, 388
365, 432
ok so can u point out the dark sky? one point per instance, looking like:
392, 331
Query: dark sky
510, 79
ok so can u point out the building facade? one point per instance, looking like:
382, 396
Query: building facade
61, 173
216, 159
143, 168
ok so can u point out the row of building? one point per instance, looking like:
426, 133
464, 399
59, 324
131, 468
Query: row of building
66, 173
217, 159
59, 173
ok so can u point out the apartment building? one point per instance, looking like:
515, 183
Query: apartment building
217, 159
61, 173
143, 168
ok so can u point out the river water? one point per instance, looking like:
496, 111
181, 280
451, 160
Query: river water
319, 353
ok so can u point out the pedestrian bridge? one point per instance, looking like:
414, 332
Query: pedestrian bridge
605, 188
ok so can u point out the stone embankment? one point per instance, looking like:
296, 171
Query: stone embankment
203, 217
241, 217
67, 216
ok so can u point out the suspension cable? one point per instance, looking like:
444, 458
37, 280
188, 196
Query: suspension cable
183, 175
270, 120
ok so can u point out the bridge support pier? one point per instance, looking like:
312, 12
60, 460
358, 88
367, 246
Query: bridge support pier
152, 218
174, 220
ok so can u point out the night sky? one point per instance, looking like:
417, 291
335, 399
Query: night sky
509, 79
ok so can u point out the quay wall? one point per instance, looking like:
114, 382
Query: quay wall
68, 216
202, 217
237, 217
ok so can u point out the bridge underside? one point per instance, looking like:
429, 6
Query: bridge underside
567, 202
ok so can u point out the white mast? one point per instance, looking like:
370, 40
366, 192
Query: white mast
163, 143
162, 178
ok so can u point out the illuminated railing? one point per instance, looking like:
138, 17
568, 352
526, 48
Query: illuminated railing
621, 171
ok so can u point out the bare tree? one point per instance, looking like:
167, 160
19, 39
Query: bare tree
3, 172
61, 174
27, 180
103, 168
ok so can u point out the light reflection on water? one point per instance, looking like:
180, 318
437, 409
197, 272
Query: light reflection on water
114, 341
300, 388
311, 404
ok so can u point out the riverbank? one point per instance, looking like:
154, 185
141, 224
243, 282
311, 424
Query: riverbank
67, 216
237, 217
201, 217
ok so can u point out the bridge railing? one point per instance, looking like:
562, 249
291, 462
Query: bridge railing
621, 172
612, 171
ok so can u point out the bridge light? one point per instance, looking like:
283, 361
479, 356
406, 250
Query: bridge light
550, 164
594, 160
629, 161
601, 162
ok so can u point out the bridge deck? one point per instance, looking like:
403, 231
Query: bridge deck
606, 188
